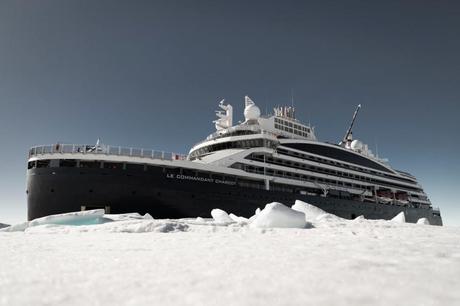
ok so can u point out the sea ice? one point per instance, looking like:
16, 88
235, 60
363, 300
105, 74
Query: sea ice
148, 216
399, 218
221, 216
278, 215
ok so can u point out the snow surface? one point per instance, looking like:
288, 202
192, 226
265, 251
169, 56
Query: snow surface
138, 261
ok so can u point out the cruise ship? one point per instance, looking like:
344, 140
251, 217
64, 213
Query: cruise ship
238, 168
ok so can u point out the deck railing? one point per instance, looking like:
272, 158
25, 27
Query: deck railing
104, 150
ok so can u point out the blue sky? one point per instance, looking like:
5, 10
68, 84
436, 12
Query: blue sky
150, 74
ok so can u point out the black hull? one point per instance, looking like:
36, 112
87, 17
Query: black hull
60, 190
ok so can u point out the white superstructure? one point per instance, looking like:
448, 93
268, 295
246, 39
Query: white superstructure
285, 153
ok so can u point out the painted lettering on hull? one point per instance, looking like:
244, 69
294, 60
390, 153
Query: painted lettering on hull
197, 178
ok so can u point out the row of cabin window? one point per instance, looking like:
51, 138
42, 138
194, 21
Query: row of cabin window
277, 161
286, 174
341, 165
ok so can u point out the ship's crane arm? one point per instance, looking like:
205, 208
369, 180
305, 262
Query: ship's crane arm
347, 134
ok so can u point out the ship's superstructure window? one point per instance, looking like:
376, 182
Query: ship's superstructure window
43, 163
322, 170
239, 144
336, 153
291, 127
342, 165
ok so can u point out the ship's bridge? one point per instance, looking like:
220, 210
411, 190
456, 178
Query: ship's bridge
256, 130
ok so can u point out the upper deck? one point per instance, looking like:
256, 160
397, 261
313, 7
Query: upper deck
102, 150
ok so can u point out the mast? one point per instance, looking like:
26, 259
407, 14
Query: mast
348, 133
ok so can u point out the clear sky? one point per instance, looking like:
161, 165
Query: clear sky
150, 74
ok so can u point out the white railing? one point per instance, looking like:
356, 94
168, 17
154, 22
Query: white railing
104, 150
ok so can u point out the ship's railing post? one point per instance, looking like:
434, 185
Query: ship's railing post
119, 150
130, 151
163, 155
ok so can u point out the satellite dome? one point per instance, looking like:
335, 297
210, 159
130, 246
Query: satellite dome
251, 112
356, 145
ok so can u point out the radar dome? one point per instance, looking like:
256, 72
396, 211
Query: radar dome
356, 145
251, 112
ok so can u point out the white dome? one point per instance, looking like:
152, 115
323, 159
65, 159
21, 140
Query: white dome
356, 145
251, 112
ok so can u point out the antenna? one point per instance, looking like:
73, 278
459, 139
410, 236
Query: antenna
348, 133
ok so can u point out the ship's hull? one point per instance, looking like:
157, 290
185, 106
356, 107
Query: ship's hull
163, 195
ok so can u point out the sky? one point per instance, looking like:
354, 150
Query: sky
151, 73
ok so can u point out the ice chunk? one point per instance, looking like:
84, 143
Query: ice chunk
221, 216
148, 216
359, 218
423, 221
239, 219
278, 215
399, 218
87, 217
257, 210
200, 220
74, 218
311, 212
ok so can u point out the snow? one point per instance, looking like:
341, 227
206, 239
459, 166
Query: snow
277, 215
138, 261
399, 218
423, 221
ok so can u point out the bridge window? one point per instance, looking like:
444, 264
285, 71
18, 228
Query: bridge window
71, 163
43, 163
